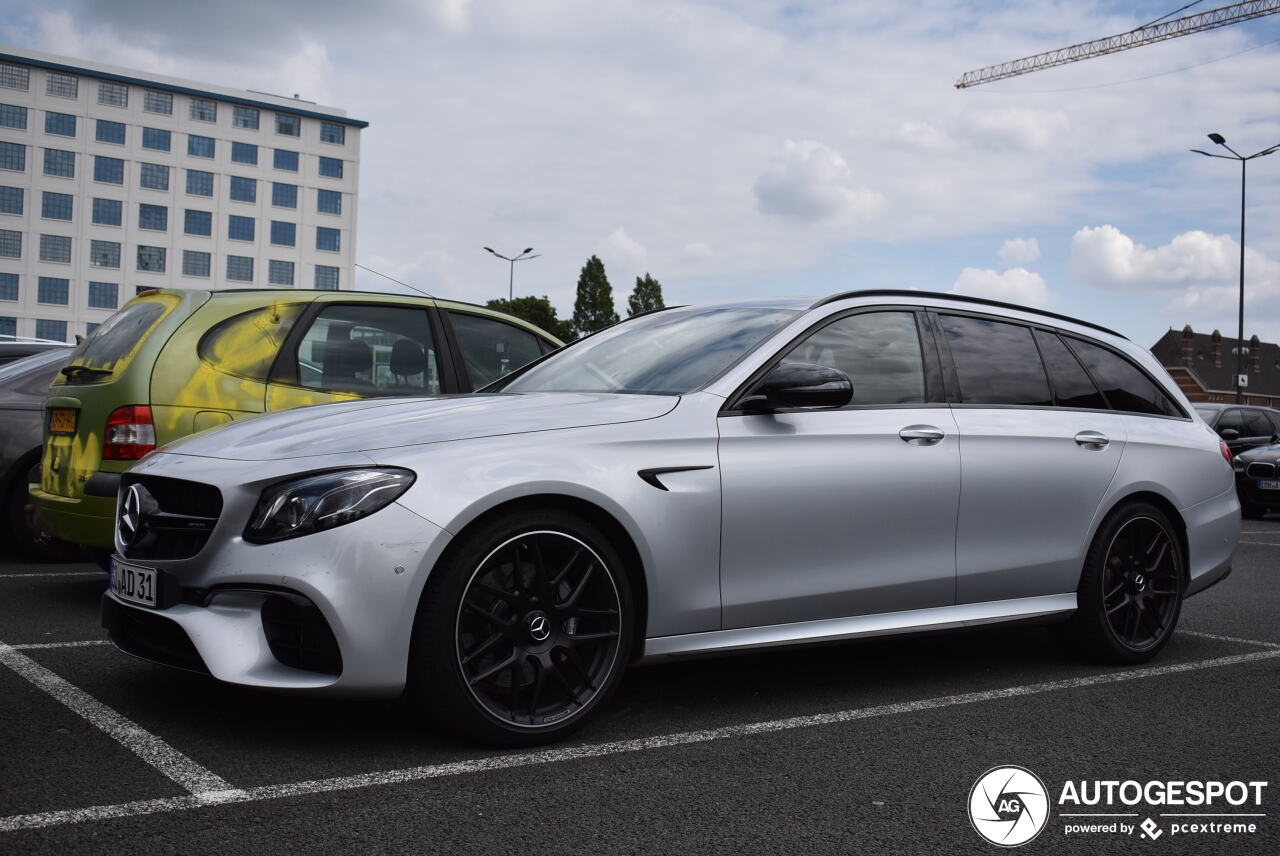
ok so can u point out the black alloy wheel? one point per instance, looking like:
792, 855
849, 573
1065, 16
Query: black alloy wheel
538, 629
1130, 592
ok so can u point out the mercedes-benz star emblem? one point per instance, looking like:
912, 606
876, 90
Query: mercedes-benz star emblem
132, 513
539, 628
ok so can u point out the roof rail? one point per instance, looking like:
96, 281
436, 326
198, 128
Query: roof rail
937, 295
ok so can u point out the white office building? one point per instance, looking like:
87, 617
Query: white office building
115, 181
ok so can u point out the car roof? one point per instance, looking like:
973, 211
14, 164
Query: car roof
1216, 405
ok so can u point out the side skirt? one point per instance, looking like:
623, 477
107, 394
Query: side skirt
884, 624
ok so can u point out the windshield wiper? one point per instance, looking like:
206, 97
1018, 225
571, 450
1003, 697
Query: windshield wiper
68, 371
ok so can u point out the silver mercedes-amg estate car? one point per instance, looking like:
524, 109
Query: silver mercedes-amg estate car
694, 480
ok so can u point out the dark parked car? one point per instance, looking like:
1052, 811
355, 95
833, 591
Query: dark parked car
1258, 481
1243, 427
23, 386
15, 348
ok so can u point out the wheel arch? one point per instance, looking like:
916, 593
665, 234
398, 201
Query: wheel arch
1170, 510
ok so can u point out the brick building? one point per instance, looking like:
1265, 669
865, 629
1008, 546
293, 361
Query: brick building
1204, 366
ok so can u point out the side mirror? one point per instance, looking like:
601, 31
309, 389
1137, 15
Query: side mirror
799, 385
1229, 434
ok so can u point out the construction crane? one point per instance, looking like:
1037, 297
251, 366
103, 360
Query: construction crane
1145, 35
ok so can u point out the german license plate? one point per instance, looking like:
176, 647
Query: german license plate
62, 421
1269, 484
133, 584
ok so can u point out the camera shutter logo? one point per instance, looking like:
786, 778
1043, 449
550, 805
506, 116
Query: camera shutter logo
1008, 806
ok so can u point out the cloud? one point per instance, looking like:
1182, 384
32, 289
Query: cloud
808, 181
1016, 285
1105, 257
619, 245
1020, 127
1019, 251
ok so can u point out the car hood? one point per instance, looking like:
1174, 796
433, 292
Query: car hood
371, 424
1261, 453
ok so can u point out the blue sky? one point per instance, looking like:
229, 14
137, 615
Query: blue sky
747, 147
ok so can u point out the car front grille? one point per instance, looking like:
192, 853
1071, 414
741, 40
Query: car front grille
167, 518
1260, 470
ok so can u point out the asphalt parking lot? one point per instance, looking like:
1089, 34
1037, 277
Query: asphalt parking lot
868, 747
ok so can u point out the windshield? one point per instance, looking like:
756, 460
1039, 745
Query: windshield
667, 353
33, 362
1207, 413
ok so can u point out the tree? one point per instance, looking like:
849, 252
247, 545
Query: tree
647, 296
593, 310
537, 311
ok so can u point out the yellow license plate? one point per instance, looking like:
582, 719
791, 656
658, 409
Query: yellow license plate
62, 421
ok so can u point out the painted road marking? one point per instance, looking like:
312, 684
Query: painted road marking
102, 574
575, 753
33, 645
204, 784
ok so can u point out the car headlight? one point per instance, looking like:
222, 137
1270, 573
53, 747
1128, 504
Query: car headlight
322, 501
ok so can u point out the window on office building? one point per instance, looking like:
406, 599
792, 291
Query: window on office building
107, 212
151, 259
199, 147
59, 162
62, 124
113, 94
244, 153
90, 326
13, 156
13, 116
289, 125
326, 278
245, 117
56, 206
104, 254
108, 170
157, 139
109, 132
8, 326
284, 195
204, 110
104, 295
244, 189
154, 218
198, 222
55, 248
332, 132
14, 76
11, 200
328, 239
284, 234
199, 182
240, 268
154, 176
328, 202
53, 289
239, 228
62, 85
331, 167
157, 102
279, 272
10, 244
8, 286
285, 159
195, 263
53, 330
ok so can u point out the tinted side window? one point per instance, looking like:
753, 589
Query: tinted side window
1233, 418
997, 363
879, 351
1256, 424
492, 348
247, 344
369, 350
1071, 384
1124, 384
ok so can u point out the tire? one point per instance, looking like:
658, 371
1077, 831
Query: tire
1249, 511
18, 529
1130, 592
524, 629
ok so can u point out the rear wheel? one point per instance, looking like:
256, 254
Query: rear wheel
1130, 592
524, 629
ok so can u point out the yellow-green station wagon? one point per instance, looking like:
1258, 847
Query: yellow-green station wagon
173, 362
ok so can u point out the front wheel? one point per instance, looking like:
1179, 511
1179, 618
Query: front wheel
1130, 592
524, 629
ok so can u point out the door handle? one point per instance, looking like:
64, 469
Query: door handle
921, 435
1092, 440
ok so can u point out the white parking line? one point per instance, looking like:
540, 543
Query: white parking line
1236, 639
574, 753
205, 785
32, 645
1262, 543
102, 574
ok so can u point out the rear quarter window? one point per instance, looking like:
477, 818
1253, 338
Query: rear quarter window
1125, 385
246, 344
113, 344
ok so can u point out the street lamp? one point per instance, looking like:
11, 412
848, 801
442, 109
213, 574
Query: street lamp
1220, 140
511, 279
